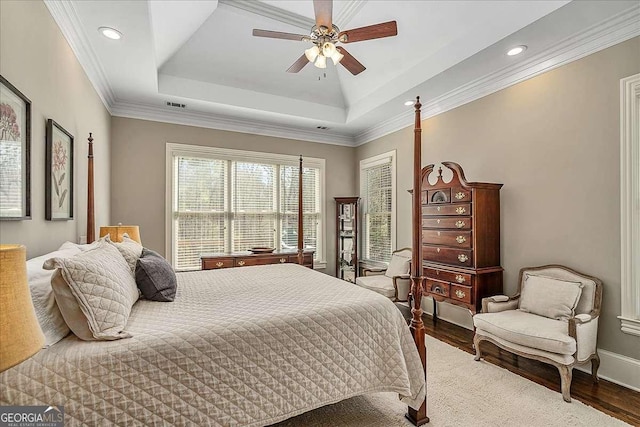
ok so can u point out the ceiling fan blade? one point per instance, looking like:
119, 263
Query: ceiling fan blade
278, 35
298, 65
323, 10
350, 63
377, 31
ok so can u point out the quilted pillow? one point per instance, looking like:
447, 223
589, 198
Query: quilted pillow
130, 250
548, 297
155, 277
398, 266
103, 287
49, 317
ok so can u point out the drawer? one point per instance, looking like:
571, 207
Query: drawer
460, 195
461, 293
448, 276
437, 287
457, 209
436, 197
215, 263
307, 259
453, 256
243, 262
463, 223
459, 239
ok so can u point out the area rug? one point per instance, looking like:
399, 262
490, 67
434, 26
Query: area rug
462, 392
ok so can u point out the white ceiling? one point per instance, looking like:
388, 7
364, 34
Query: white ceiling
202, 54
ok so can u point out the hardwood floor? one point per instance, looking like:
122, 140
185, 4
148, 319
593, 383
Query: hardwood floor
610, 398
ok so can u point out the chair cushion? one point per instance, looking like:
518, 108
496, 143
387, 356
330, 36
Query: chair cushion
527, 329
380, 284
398, 266
549, 297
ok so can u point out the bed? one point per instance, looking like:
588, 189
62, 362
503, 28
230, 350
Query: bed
246, 346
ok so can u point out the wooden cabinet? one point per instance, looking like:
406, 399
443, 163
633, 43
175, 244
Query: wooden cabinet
460, 238
347, 238
245, 259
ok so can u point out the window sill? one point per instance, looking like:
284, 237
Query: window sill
319, 265
630, 326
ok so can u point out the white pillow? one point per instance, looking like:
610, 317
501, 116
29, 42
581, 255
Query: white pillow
130, 250
104, 289
398, 266
49, 317
549, 297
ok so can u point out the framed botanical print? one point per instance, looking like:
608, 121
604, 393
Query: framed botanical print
58, 173
15, 151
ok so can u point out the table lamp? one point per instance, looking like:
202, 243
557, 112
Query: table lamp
20, 333
116, 232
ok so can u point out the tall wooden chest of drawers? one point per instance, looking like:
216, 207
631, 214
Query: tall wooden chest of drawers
460, 238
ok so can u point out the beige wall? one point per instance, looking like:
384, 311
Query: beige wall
35, 58
138, 172
554, 142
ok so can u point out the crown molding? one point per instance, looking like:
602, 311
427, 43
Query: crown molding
271, 12
349, 11
65, 15
233, 124
617, 29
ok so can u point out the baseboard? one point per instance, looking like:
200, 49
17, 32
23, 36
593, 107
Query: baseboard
619, 369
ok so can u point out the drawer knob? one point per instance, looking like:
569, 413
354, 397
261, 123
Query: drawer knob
459, 278
438, 250
460, 224
460, 294
460, 195
241, 263
460, 210
462, 258
219, 264
438, 221
461, 239
283, 260
438, 208
437, 290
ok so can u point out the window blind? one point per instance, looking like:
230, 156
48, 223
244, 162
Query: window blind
378, 198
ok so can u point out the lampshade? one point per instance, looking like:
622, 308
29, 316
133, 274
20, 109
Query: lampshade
321, 62
336, 57
312, 53
20, 333
328, 49
116, 232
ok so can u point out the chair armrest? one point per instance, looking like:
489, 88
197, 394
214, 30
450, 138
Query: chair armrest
584, 329
578, 319
367, 270
402, 276
402, 293
499, 303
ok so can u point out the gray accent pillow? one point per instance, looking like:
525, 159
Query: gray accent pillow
155, 277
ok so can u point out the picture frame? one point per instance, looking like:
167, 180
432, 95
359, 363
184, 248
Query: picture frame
15, 153
58, 173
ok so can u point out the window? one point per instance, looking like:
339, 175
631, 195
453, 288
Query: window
229, 200
630, 203
378, 192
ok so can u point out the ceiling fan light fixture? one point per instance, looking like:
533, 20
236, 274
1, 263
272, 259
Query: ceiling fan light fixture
328, 49
336, 57
321, 61
312, 53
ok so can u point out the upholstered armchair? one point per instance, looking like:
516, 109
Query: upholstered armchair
553, 318
392, 282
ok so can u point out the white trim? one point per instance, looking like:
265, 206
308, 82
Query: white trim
630, 204
368, 163
176, 149
271, 12
614, 30
192, 118
65, 15
619, 369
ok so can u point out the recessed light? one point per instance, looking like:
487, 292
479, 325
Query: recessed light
516, 50
407, 103
110, 33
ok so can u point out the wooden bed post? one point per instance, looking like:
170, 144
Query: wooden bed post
300, 217
416, 326
91, 221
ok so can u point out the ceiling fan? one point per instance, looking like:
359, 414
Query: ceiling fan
325, 35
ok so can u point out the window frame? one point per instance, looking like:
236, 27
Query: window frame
389, 156
174, 150
630, 204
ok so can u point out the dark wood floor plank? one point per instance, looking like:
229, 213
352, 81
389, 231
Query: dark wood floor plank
608, 397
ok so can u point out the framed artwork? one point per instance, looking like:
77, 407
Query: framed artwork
58, 173
15, 151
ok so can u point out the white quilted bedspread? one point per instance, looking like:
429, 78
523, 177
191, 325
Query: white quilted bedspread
246, 346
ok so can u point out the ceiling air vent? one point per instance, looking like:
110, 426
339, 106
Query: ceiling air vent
175, 104
322, 127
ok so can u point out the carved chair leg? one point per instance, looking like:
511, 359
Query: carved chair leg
476, 344
566, 373
595, 364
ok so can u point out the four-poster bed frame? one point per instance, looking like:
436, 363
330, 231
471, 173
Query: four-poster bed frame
416, 326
